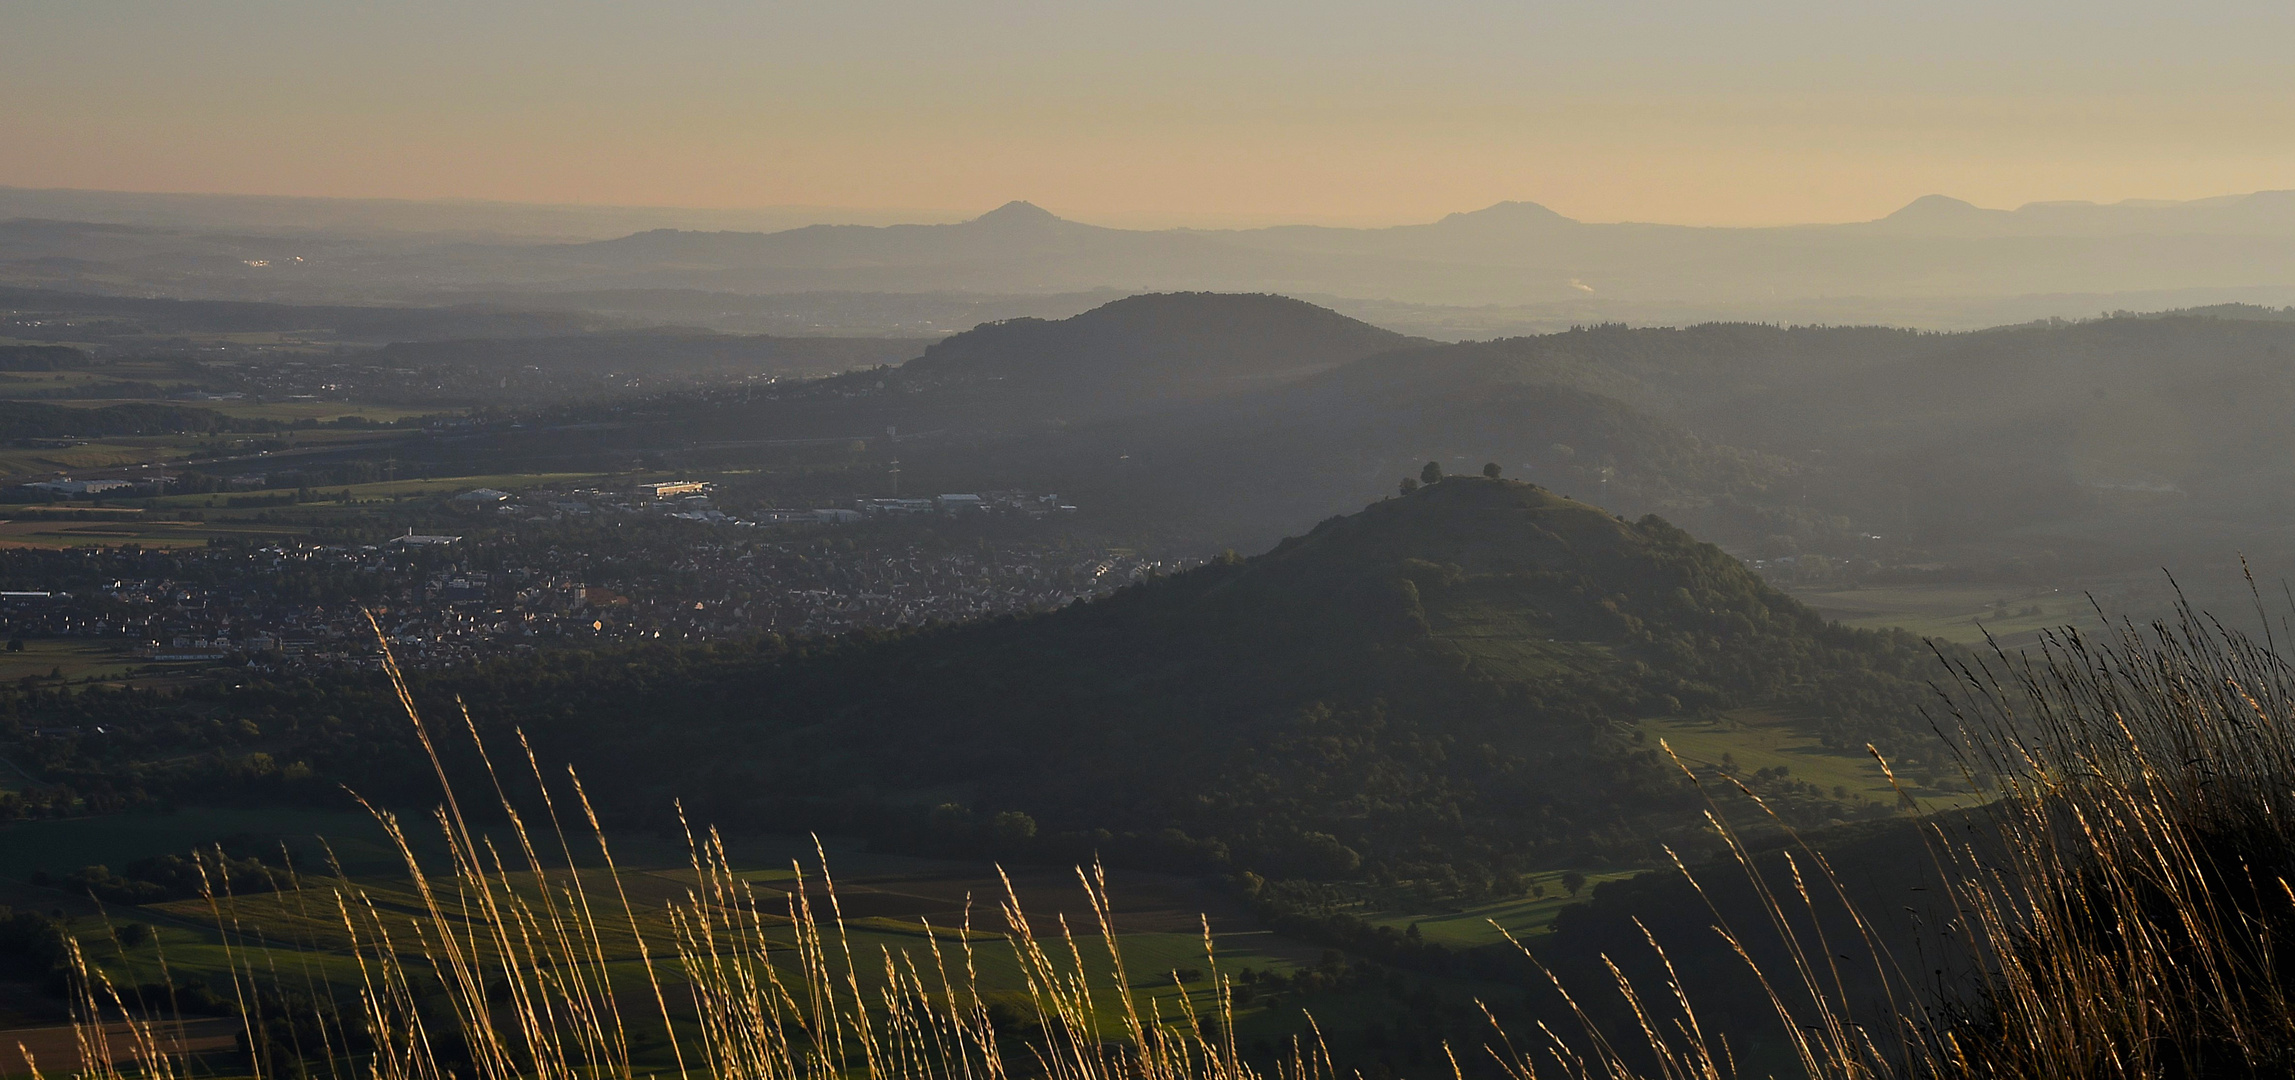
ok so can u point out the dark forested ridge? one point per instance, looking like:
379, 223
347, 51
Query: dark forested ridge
1446, 677
1452, 678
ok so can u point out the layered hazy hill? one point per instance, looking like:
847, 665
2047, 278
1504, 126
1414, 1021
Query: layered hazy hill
2103, 433
1247, 468
1142, 354
1444, 678
2103, 445
1936, 262
1149, 348
2100, 446
2038, 451
1220, 416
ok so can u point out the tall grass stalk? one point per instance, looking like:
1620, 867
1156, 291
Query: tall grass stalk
2123, 909
2130, 904
520, 964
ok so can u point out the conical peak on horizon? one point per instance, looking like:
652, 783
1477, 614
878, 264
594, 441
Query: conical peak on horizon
1933, 208
1930, 206
1509, 212
1026, 228
2273, 206
1018, 212
1945, 206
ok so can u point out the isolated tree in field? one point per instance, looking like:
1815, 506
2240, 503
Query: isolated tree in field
1573, 881
1013, 827
1409, 485
1432, 474
1490, 469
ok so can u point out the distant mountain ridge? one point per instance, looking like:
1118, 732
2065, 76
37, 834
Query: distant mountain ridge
1933, 257
1515, 252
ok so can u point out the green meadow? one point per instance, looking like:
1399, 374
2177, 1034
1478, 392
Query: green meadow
1522, 918
886, 909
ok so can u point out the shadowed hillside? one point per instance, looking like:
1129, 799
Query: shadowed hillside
1448, 678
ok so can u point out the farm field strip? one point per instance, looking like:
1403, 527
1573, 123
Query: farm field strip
1957, 613
266, 410
156, 534
1524, 917
385, 489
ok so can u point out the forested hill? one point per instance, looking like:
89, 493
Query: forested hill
1454, 680
1453, 676
1167, 346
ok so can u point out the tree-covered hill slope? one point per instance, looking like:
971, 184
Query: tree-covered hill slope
1454, 684
1456, 675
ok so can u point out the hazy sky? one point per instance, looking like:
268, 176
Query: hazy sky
1171, 111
